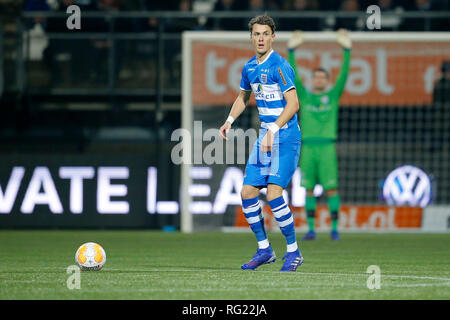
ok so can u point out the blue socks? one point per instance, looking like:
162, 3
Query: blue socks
285, 220
253, 214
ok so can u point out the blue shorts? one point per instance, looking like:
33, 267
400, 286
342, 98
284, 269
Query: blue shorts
276, 167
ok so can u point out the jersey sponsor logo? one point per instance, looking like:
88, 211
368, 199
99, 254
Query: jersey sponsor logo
319, 108
282, 76
258, 88
267, 92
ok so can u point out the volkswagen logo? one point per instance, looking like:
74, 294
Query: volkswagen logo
407, 185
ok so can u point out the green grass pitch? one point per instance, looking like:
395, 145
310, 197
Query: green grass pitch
157, 265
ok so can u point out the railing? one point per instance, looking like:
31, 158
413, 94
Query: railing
237, 14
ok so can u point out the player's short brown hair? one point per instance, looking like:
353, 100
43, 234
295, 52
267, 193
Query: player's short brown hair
321, 70
264, 20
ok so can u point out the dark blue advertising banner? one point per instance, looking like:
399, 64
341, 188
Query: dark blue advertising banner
86, 191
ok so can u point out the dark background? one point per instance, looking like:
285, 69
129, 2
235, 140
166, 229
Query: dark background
110, 94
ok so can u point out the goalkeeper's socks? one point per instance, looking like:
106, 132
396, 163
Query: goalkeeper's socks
283, 215
310, 206
253, 214
334, 221
334, 203
310, 217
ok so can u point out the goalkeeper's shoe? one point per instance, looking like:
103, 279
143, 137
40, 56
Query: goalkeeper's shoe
311, 235
335, 235
262, 256
292, 260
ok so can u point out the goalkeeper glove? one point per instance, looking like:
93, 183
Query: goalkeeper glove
343, 38
295, 40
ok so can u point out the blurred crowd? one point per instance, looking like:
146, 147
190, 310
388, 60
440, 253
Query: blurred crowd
92, 60
254, 6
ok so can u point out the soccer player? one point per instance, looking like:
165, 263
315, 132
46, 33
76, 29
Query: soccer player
319, 112
275, 154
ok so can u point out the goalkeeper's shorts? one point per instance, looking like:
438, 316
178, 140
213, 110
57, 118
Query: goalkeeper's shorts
276, 167
318, 165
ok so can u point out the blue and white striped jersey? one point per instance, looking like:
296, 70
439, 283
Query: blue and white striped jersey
269, 80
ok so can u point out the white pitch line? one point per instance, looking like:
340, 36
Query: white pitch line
443, 284
440, 284
298, 273
382, 275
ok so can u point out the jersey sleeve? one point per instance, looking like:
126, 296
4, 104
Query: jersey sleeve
245, 84
285, 76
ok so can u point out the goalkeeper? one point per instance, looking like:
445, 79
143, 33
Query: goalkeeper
319, 113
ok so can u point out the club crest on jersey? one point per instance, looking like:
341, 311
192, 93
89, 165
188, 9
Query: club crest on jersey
325, 99
263, 78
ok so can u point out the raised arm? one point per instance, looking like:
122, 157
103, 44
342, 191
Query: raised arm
294, 42
343, 39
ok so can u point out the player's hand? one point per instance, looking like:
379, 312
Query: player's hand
296, 39
224, 130
267, 142
343, 38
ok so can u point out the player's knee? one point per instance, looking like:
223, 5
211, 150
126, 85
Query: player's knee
332, 192
310, 192
273, 193
249, 192
270, 196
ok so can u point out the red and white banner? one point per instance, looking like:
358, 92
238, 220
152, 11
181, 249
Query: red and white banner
381, 73
351, 218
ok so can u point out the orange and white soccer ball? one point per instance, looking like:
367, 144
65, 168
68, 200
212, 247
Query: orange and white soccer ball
90, 256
